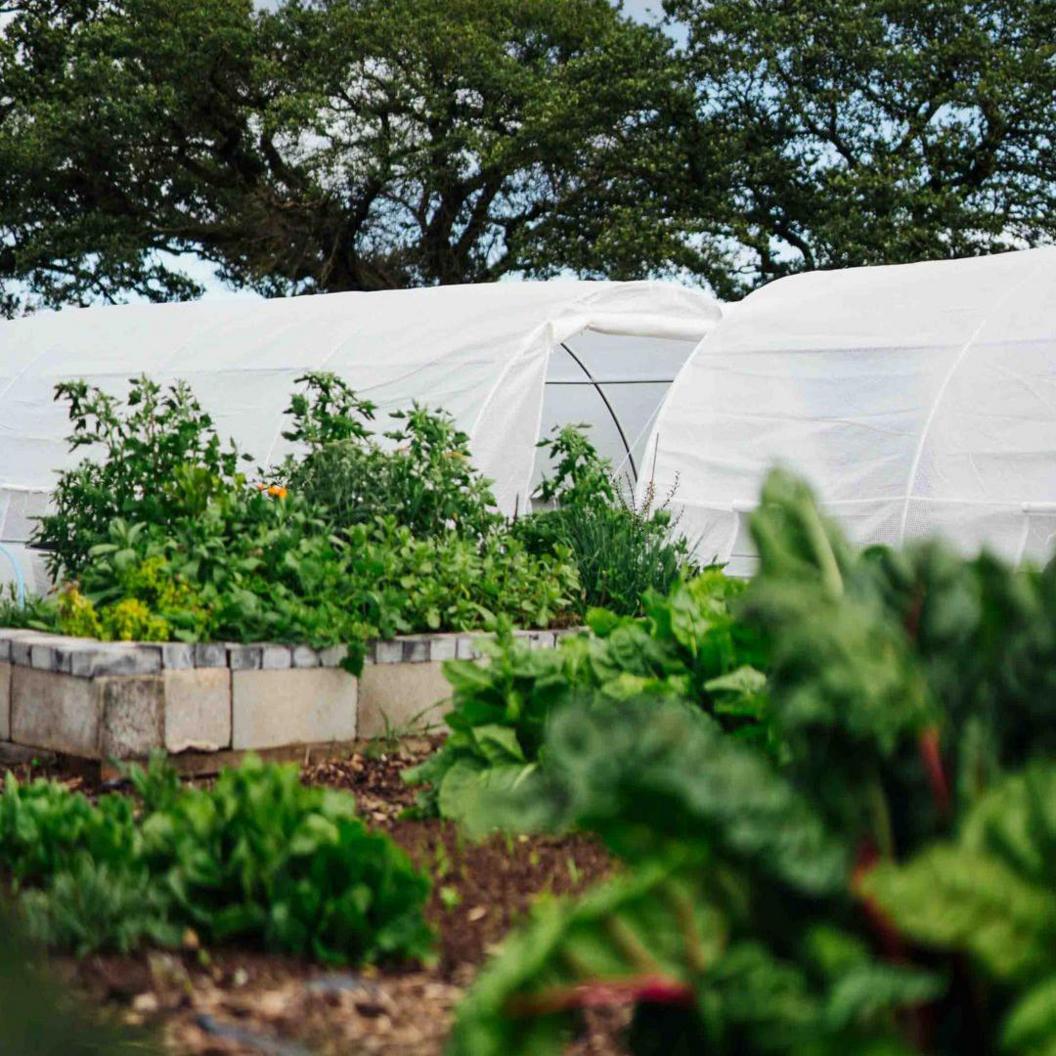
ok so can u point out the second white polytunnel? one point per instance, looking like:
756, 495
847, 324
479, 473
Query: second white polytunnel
917, 399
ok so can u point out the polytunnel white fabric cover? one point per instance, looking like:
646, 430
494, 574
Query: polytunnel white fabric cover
479, 352
917, 399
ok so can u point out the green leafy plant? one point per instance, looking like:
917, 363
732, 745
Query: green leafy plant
257, 859
882, 883
147, 449
622, 550
41, 1018
687, 646
181, 547
424, 479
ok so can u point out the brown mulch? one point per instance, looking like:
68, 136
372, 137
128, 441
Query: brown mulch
222, 1003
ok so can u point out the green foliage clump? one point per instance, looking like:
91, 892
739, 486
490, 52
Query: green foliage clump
425, 480
882, 882
258, 859
148, 450
41, 1018
164, 539
687, 646
622, 551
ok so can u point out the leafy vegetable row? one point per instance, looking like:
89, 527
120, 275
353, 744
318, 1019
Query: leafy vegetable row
875, 876
257, 859
157, 534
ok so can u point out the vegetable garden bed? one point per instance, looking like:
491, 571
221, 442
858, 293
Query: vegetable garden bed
206, 703
240, 1001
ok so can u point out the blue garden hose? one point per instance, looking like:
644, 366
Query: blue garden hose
20, 580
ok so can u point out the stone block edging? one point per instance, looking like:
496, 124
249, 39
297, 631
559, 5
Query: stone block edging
116, 700
90, 658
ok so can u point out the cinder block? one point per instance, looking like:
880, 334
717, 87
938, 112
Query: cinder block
275, 657
541, 640
49, 652
42, 656
415, 650
177, 656
22, 650
93, 659
306, 705
396, 698
443, 647
305, 656
132, 719
210, 654
244, 657
9, 636
197, 709
56, 711
390, 652
467, 649
5, 701
332, 655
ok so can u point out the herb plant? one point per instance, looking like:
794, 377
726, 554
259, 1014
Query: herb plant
621, 550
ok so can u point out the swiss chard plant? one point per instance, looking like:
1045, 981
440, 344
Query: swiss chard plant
883, 883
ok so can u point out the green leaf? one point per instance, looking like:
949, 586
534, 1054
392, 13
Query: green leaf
954, 897
1030, 1027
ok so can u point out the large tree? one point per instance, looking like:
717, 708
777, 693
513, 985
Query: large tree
328, 144
869, 131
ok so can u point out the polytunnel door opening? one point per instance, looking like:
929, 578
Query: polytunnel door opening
614, 385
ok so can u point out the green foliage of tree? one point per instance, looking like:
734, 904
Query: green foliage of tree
869, 131
367, 144
325, 145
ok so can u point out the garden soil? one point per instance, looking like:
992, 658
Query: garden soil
228, 1002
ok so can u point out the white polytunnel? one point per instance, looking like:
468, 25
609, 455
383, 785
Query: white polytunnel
484, 353
917, 399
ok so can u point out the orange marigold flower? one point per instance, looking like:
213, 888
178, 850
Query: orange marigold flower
278, 491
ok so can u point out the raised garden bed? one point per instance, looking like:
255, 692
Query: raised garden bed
208, 702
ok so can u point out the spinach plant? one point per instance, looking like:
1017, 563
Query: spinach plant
622, 550
687, 646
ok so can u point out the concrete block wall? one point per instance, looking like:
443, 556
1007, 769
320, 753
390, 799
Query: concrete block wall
105, 701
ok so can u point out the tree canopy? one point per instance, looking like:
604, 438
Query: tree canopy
327, 145
334, 145
872, 131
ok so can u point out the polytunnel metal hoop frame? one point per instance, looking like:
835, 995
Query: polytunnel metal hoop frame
608, 406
